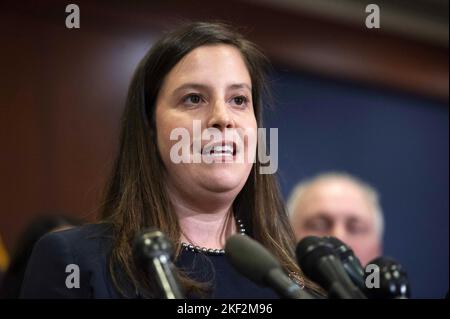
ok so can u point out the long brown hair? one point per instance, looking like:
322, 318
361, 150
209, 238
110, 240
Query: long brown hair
136, 197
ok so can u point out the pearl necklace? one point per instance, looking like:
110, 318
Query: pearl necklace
211, 251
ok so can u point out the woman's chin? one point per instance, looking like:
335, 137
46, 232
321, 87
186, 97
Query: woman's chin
223, 181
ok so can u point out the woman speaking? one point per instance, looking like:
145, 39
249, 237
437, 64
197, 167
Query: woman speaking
203, 74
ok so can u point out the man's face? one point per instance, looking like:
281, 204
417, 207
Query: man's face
338, 208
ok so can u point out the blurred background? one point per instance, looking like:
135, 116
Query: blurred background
372, 102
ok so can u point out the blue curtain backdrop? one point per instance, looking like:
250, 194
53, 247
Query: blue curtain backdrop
397, 142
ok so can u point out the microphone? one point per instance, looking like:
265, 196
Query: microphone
319, 262
153, 250
351, 263
255, 262
394, 283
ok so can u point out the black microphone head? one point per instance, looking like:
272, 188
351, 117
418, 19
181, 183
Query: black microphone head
340, 248
250, 258
345, 253
153, 252
151, 243
394, 281
309, 250
351, 263
319, 261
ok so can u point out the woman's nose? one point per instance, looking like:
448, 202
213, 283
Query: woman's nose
220, 116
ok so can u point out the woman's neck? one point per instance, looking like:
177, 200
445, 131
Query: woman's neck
203, 227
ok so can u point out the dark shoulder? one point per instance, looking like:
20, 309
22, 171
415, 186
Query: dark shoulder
84, 238
84, 242
85, 232
86, 247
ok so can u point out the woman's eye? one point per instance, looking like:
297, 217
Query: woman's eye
192, 99
240, 100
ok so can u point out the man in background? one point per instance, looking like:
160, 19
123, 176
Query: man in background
339, 205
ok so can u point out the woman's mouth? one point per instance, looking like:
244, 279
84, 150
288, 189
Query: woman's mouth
220, 150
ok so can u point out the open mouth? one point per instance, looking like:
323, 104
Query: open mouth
222, 149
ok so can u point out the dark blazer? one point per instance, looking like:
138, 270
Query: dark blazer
89, 247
